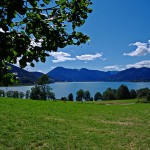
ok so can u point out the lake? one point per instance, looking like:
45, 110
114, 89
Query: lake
64, 88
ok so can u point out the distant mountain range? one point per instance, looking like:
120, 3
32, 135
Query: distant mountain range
83, 75
78, 75
61, 74
132, 74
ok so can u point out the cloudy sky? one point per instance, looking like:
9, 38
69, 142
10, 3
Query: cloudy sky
119, 33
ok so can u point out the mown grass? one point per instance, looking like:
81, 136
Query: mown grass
28, 124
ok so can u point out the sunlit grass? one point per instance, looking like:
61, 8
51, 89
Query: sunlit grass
28, 124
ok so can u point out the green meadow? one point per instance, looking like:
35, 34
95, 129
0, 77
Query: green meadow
113, 125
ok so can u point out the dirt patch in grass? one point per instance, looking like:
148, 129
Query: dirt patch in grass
118, 123
46, 118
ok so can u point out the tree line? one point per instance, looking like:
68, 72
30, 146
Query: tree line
122, 93
42, 91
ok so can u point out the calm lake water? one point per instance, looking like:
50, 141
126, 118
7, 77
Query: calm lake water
64, 88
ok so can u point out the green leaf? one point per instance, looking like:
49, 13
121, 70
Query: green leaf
32, 64
5, 28
33, 3
46, 1
12, 24
42, 5
22, 11
38, 16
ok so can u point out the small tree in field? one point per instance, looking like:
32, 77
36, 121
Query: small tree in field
98, 96
148, 97
123, 92
87, 95
21, 95
70, 97
42, 90
80, 95
35, 93
15, 94
2, 93
109, 94
91, 98
143, 94
10, 93
27, 95
133, 94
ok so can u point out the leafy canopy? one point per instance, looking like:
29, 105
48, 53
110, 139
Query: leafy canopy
42, 90
30, 29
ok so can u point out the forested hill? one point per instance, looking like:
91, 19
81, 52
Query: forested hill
132, 74
77, 75
24, 76
83, 75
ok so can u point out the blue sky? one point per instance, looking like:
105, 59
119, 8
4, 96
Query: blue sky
119, 32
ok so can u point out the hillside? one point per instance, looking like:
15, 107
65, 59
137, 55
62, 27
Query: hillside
132, 74
77, 75
24, 76
83, 75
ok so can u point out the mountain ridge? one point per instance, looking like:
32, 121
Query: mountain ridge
83, 75
61, 74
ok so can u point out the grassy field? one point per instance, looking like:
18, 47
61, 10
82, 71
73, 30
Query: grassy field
28, 124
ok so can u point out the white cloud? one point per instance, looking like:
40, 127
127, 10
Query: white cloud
61, 57
113, 68
141, 50
34, 43
88, 57
145, 63
1, 30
